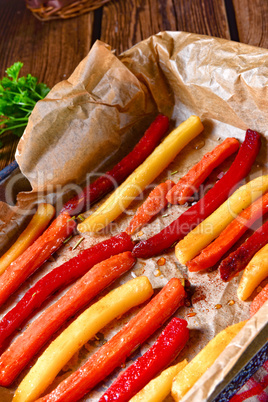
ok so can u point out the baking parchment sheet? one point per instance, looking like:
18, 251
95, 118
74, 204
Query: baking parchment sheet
105, 104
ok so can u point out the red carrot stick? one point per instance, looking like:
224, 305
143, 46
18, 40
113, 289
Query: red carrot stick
122, 170
35, 255
204, 207
155, 201
171, 341
116, 350
259, 301
59, 277
212, 253
239, 259
20, 352
190, 183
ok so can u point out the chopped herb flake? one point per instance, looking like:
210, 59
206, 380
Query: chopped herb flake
77, 244
68, 238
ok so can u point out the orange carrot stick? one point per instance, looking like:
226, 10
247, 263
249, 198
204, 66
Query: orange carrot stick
115, 351
33, 338
210, 255
259, 300
35, 255
37, 225
155, 201
190, 183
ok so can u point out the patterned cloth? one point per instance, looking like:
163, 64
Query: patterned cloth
256, 388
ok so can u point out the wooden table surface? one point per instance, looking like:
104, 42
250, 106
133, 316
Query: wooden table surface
51, 50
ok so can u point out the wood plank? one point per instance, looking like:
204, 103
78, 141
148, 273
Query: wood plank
125, 23
49, 50
252, 21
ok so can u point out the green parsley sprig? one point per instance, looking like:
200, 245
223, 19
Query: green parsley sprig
17, 99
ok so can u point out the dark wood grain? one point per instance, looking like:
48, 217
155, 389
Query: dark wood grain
252, 21
49, 50
124, 23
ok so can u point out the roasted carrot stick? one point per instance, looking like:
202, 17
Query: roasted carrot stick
259, 301
190, 183
155, 201
33, 338
204, 207
230, 235
167, 346
238, 260
122, 170
78, 333
37, 225
59, 277
35, 255
116, 350
255, 272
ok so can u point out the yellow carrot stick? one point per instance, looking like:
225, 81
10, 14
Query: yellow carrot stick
92, 320
210, 228
188, 376
143, 175
157, 389
255, 272
37, 225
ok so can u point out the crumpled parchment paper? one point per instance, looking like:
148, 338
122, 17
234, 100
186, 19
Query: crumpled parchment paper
89, 120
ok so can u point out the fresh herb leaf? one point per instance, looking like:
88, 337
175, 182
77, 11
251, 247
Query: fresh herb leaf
42, 89
18, 96
13, 71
